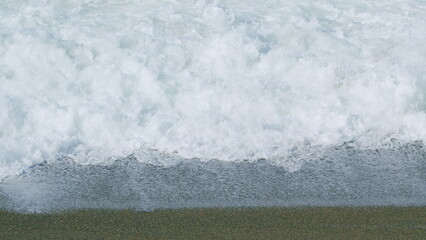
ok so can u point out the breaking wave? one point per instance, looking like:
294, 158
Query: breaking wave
229, 81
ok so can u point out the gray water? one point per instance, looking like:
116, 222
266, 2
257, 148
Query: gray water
342, 176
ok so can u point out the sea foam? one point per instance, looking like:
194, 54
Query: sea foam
234, 80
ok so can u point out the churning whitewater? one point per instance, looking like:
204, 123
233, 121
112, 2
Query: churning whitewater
278, 83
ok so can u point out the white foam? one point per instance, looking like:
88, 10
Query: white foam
209, 79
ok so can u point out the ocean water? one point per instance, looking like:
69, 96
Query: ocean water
151, 104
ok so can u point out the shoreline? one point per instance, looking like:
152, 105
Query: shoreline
220, 223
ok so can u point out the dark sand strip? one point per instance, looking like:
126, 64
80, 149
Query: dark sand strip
244, 223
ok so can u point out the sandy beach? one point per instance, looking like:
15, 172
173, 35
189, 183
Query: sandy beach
241, 223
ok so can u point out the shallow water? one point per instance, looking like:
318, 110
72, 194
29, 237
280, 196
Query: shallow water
269, 87
342, 176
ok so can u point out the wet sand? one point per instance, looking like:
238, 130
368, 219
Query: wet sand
240, 223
